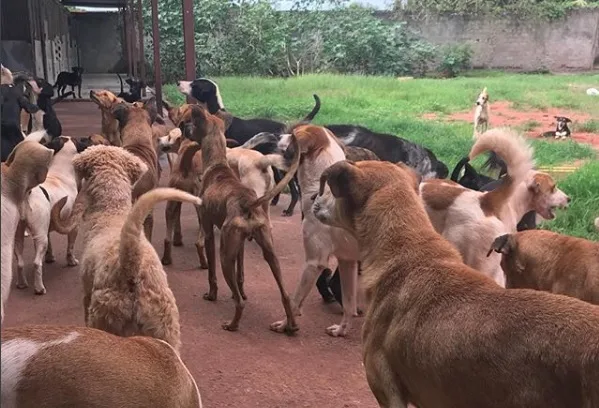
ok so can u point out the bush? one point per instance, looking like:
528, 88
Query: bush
455, 59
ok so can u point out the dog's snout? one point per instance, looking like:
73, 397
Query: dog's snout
568, 199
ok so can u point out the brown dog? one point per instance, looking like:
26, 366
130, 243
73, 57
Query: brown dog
544, 260
438, 333
68, 366
106, 101
236, 211
135, 125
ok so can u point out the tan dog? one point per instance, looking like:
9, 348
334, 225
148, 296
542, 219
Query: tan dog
236, 211
60, 366
471, 220
60, 182
544, 260
97, 139
438, 333
107, 101
25, 168
481, 114
125, 288
135, 124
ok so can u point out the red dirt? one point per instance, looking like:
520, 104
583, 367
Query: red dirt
253, 367
503, 114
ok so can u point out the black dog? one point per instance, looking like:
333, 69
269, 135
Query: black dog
562, 130
12, 100
72, 79
206, 91
471, 178
135, 88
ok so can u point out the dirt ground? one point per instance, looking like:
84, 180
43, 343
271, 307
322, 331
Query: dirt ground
253, 367
536, 121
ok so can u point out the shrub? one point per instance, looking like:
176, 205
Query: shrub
455, 59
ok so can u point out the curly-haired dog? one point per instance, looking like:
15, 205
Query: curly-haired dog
556, 263
60, 182
471, 220
69, 366
237, 211
25, 168
125, 288
438, 333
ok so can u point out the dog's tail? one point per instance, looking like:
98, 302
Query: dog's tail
262, 138
293, 164
455, 174
517, 154
314, 111
65, 226
132, 229
121, 80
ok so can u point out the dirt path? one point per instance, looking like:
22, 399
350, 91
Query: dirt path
253, 367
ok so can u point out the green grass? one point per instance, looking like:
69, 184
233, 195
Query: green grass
389, 105
530, 125
590, 126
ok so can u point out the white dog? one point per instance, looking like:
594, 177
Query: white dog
481, 114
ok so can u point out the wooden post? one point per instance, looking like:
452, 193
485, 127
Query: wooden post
156, 44
142, 53
188, 41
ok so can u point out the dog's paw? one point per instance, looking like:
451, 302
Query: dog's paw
287, 213
210, 296
359, 312
72, 261
166, 260
230, 327
337, 330
279, 326
291, 328
40, 291
50, 259
178, 243
22, 285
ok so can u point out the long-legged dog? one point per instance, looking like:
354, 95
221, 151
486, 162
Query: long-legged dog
438, 333
237, 212
481, 114
60, 182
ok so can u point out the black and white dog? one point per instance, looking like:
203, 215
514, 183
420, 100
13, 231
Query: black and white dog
135, 88
207, 92
72, 79
562, 130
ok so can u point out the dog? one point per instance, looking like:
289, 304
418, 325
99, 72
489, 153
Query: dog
106, 102
72, 79
438, 333
562, 130
597, 223
135, 88
556, 263
319, 149
135, 127
125, 288
206, 92
6, 77
25, 168
57, 366
471, 220
481, 114
237, 211
60, 182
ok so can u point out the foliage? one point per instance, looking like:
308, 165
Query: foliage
455, 59
252, 37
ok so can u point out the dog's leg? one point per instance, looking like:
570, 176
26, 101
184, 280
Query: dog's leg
40, 242
348, 273
263, 238
79, 90
231, 240
240, 271
200, 242
49, 253
149, 226
18, 250
277, 176
71, 238
295, 196
211, 255
178, 237
382, 381
169, 214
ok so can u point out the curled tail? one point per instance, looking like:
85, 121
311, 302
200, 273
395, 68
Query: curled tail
129, 253
517, 155
455, 174
315, 110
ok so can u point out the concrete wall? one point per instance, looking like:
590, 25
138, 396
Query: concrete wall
99, 38
571, 43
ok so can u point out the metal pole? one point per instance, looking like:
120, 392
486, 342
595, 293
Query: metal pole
142, 54
133, 37
188, 40
156, 44
128, 39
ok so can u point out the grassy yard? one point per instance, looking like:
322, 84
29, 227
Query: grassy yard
394, 106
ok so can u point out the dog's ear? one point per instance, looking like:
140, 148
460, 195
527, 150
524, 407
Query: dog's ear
340, 177
415, 177
150, 107
57, 143
120, 112
82, 144
504, 244
567, 120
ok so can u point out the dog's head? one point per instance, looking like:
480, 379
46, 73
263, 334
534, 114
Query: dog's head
137, 112
562, 123
178, 115
483, 98
135, 86
204, 124
27, 165
6, 77
106, 100
205, 91
546, 196
105, 164
96, 139
312, 140
507, 246
170, 142
351, 186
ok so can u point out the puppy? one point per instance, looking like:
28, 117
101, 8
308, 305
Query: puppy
319, 149
25, 168
562, 130
471, 220
135, 88
481, 114
60, 182
135, 127
58, 366
72, 79
237, 211
125, 288
544, 260
106, 102
438, 333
